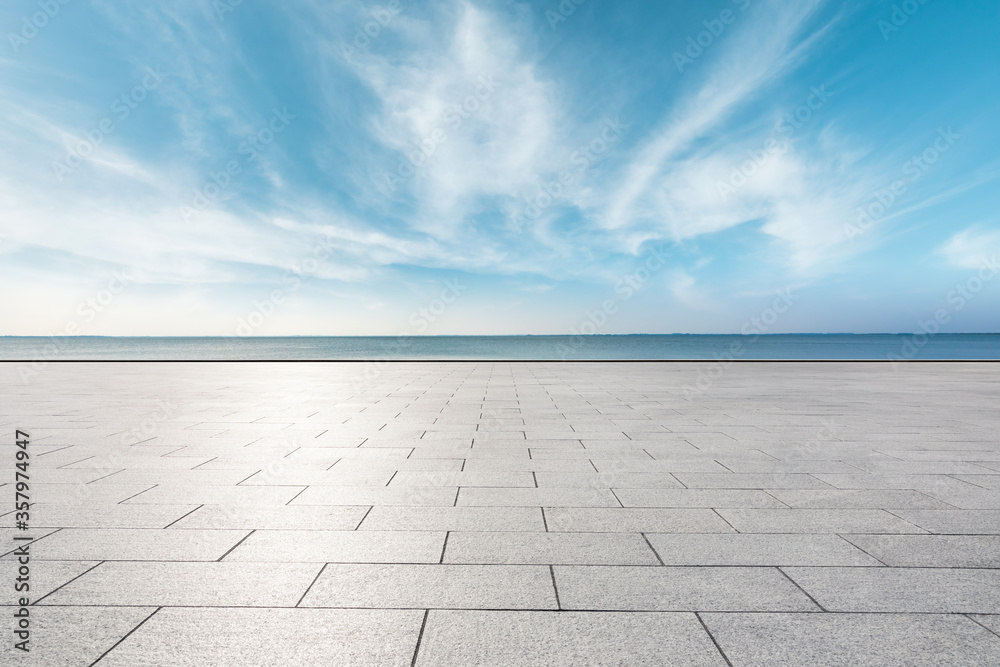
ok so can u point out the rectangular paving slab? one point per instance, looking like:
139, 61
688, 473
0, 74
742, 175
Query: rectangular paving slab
299, 637
966, 551
71, 636
816, 521
954, 521
538, 638
138, 544
549, 548
189, 584
433, 586
815, 640
343, 546
454, 518
283, 517
634, 520
709, 498
679, 589
749, 549
901, 590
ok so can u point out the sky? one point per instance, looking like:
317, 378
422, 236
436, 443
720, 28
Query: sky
221, 167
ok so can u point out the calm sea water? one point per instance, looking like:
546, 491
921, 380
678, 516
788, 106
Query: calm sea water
786, 346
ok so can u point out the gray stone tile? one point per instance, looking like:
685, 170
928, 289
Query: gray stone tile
215, 495
551, 497
278, 476
634, 520
371, 495
733, 452
984, 455
678, 589
137, 544
284, 517
992, 621
926, 483
954, 521
392, 465
328, 546
932, 550
857, 499
968, 497
106, 516
548, 549
624, 456
40, 475
299, 637
605, 462
131, 461
455, 518
178, 477
750, 481
767, 466
813, 640
607, 480
461, 638
901, 590
463, 479
708, 498
956, 468
189, 584
497, 464
757, 550
71, 636
333, 454
44, 577
816, 521
77, 495
985, 481
433, 586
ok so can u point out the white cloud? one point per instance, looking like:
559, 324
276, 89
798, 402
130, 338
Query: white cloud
484, 117
973, 247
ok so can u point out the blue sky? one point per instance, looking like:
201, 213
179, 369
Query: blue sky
215, 167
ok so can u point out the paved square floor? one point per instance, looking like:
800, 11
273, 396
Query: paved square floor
507, 513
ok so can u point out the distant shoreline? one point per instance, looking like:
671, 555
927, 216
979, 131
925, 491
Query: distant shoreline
718, 348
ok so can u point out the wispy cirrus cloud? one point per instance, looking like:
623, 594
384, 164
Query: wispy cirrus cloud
972, 247
754, 58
